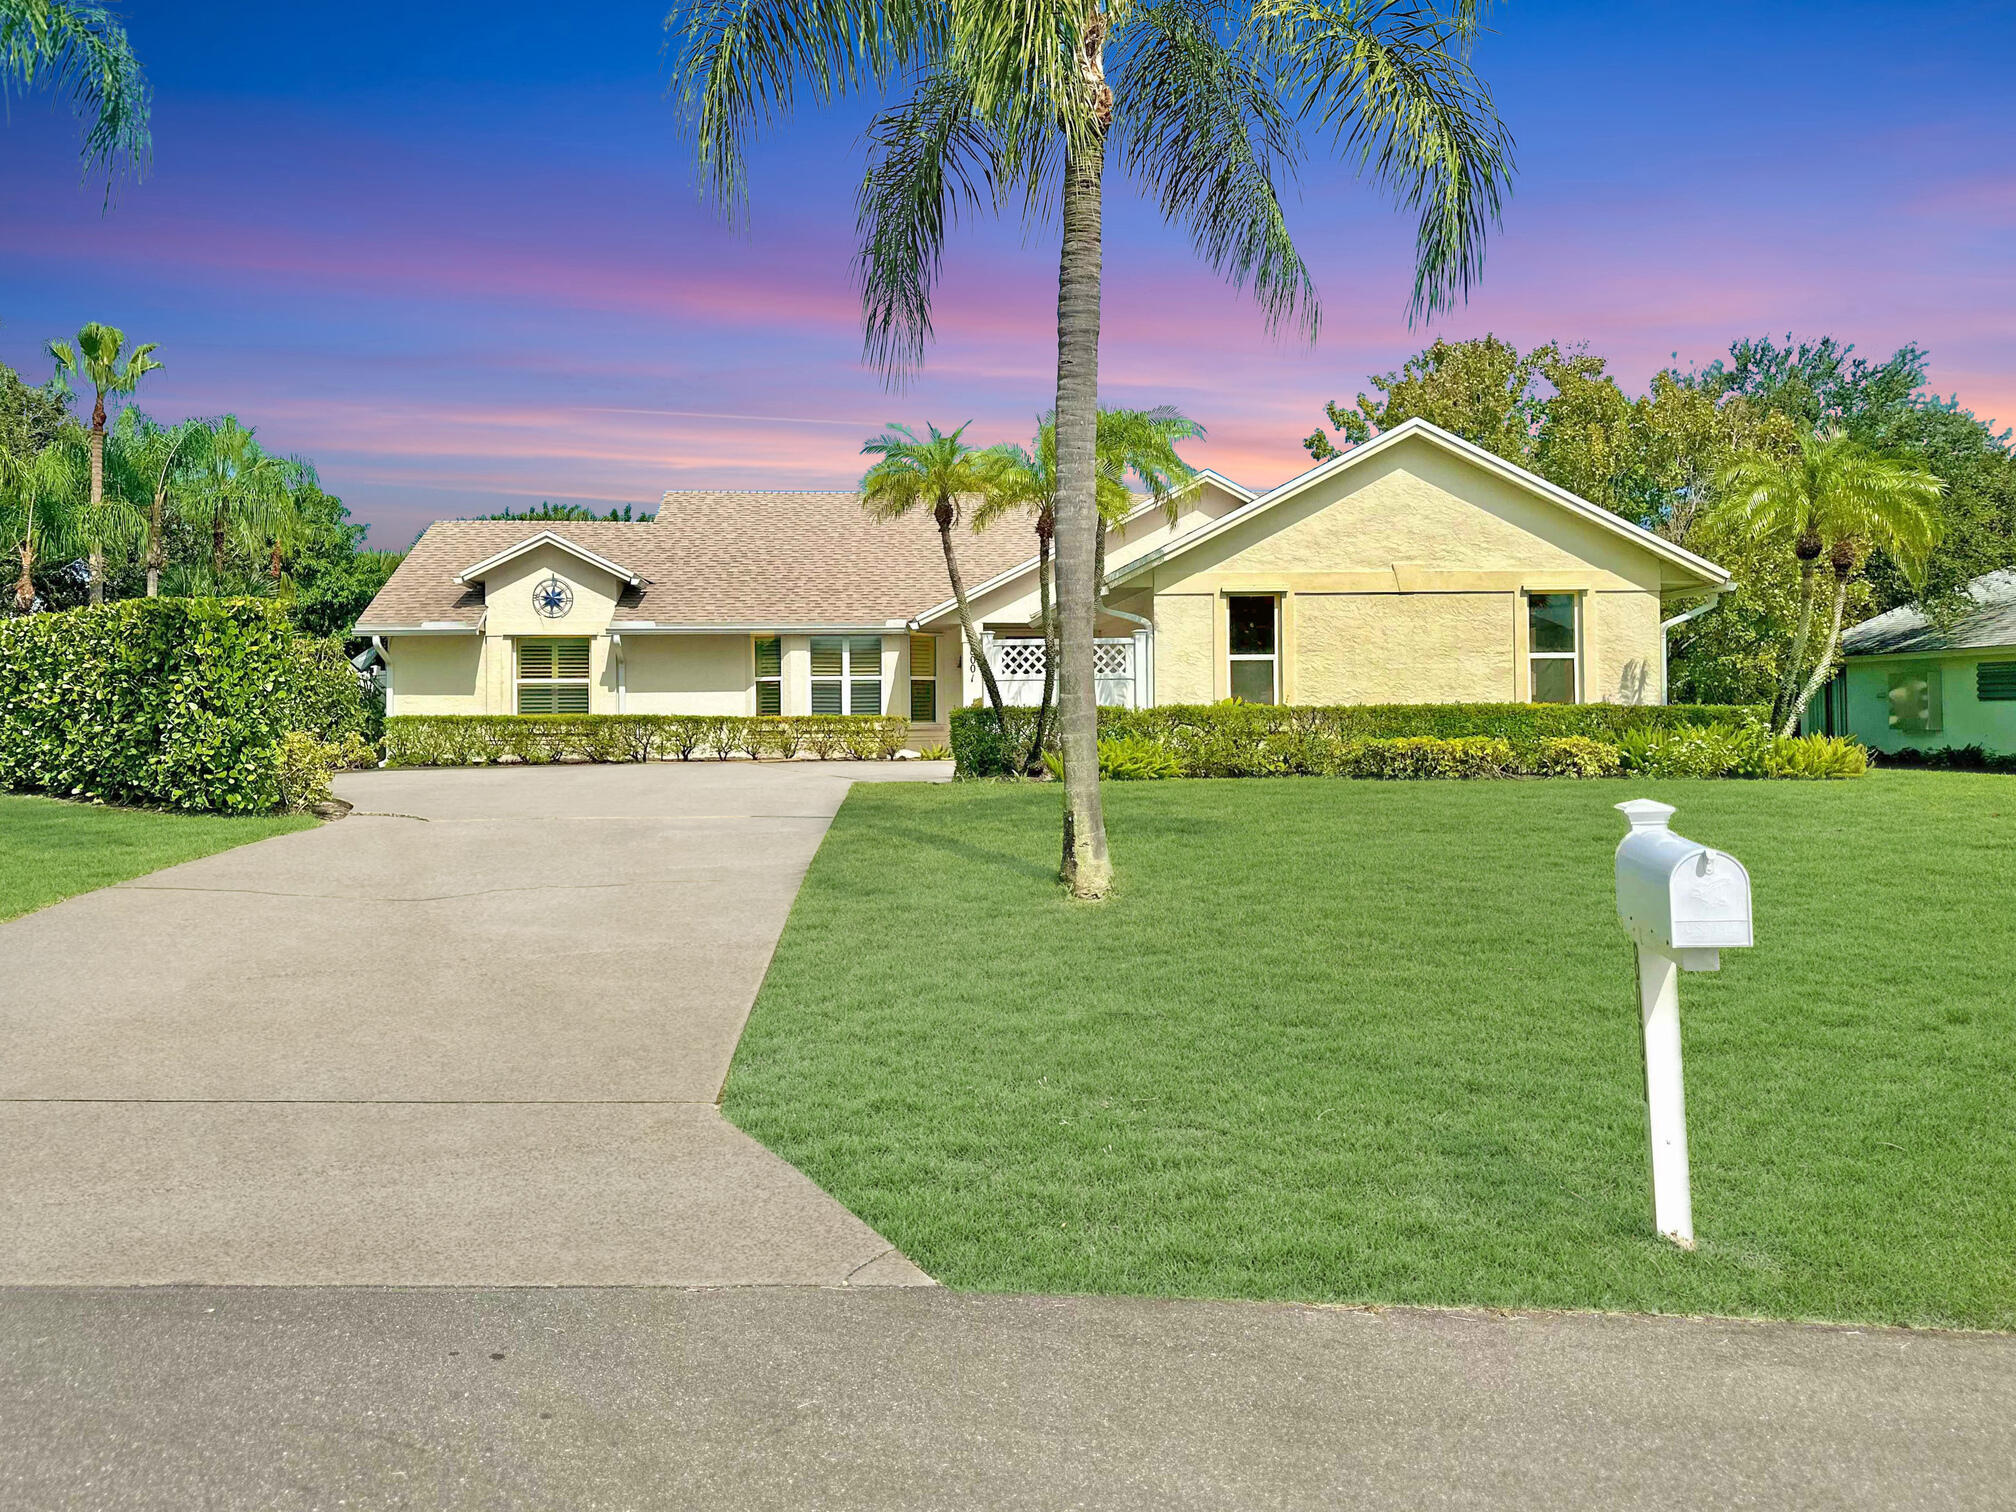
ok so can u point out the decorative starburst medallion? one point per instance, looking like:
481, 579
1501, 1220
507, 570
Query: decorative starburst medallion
553, 598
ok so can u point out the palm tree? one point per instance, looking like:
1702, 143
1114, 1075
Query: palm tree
157, 463
1839, 499
241, 490
1019, 105
1136, 443
944, 475
100, 347
81, 51
39, 497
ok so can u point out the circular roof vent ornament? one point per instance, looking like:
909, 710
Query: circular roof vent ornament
553, 598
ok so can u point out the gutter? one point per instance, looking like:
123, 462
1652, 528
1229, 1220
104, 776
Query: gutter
1666, 643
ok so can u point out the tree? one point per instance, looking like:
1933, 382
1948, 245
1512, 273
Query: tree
1483, 390
547, 510
30, 418
97, 354
160, 464
945, 477
240, 489
1838, 499
1203, 102
40, 492
80, 50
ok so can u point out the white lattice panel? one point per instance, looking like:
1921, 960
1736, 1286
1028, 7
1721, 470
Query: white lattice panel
1018, 658
1113, 658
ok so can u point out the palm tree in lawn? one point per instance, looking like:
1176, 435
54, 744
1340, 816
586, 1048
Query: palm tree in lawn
241, 491
81, 51
41, 494
1019, 105
101, 358
160, 464
1136, 443
1840, 500
944, 476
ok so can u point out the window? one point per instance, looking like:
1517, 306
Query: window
1253, 642
770, 675
924, 679
1995, 681
846, 674
1914, 701
1551, 644
553, 677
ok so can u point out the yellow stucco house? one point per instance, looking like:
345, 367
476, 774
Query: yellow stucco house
1416, 568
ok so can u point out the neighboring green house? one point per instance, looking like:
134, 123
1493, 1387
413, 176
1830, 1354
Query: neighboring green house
1907, 683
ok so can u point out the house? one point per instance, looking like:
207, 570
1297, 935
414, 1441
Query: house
1907, 682
1414, 568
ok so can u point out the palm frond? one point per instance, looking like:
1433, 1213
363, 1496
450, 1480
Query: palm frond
1391, 82
736, 66
1201, 124
81, 51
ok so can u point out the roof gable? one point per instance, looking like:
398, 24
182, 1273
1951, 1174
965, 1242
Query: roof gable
1699, 569
477, 572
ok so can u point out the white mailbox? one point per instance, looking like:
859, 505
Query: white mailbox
1676, 895
1684, 903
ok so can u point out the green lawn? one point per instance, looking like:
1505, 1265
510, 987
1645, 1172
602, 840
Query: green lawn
51, 850
1378, 1042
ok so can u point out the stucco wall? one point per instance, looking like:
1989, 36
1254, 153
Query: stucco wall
689, 674
507, 596
1404, 581
1965, 721
436, 674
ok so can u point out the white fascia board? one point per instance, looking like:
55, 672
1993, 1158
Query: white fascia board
1146, 506
1710, 574
652, 627
548, 538
425, 627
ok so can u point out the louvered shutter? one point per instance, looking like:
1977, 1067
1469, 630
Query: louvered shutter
829, 670
864, 673
924, 679
1995, 682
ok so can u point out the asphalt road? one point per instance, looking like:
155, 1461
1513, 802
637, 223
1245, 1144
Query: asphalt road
287, 1400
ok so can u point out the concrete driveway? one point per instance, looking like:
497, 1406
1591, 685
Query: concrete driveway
472, 1034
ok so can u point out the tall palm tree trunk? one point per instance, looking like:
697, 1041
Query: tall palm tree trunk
1788, 676
24, 586
97, 498
1087, 865
217, 546
974, 648
1826, 662
156, 546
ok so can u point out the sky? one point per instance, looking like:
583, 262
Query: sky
463, 264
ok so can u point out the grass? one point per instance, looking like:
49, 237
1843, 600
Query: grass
1378, 1042
50, 850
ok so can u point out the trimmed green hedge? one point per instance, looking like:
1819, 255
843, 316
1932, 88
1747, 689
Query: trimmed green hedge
480, 739
174, 702
1251, 740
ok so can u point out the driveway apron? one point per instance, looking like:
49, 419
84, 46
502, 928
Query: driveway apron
474, 1034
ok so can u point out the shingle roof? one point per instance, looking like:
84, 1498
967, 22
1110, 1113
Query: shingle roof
1907, 629
721, 557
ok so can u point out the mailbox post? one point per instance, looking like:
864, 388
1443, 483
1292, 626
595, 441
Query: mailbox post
1683, 903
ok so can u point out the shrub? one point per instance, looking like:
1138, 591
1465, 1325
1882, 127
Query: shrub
1424, 756
303, 769
168, 701
1967, 758
1719, 750
1128, 759
935, 753
477, 739
1817, 757
1569, 756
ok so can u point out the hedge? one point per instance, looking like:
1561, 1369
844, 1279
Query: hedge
171, 702
481, 739
1244, 740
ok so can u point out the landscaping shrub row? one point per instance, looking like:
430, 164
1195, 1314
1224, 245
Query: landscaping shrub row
180, 703
1244, 740
1241, 740
481, 739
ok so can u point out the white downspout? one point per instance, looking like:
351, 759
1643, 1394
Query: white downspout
616, 645
378, 645
1144, 647
1666, 627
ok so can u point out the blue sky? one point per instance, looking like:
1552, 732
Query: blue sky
464, 265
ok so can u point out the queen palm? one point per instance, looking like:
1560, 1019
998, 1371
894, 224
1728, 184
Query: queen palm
1837, 499
1019, 104
943, 476
80, 51
160, 464
101, 358
240, 490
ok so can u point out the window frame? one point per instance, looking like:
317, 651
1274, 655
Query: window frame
773, 681
1572, 656
555, 683
1273, 658
849, 679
